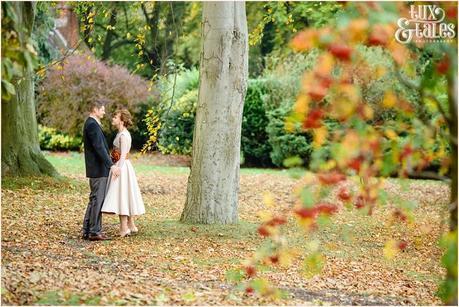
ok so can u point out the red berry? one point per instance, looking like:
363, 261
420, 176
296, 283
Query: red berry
326, 82
313, 119
355, 163
360, 202
306, 213
250, 271
402, 245
326, 208
344, 194
318, 93
278, 220
340, 51
451, 12
407, 151
274, 259
263, 231
331, 177
442, 67
374, 145
249, 290
377, 40
398, 214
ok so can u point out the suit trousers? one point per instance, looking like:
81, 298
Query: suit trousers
92, 223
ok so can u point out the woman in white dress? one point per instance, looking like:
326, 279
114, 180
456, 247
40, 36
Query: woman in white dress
123, 193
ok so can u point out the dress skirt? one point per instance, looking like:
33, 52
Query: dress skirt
123, 193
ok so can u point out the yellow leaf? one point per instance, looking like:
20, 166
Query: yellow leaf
313, 246
345, 101
305, 223
357, 30
389, 100
289, 125
390, 134
390, 249
264, 215
367, 112
380, 71
331, 164
302, 104
325, 65
313, 264
320, 136
308, 178
285, 258
268, 199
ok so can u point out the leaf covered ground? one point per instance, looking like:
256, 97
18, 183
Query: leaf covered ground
44, 260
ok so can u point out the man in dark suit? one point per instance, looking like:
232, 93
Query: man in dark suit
98, 164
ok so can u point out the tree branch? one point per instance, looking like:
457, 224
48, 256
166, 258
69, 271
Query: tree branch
122, 42
429, 175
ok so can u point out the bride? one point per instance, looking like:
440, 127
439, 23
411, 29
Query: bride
123, 193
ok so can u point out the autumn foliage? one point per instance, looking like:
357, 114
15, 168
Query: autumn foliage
363, 147
81, 79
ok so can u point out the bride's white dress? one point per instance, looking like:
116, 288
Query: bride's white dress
123, 193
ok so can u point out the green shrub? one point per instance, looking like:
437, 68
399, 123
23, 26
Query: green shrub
176, 134
177, 86
285, 144
176, 110
254, 139
51, 139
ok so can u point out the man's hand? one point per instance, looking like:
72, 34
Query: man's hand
116, 171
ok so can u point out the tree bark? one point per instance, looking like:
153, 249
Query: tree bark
21, 155
213, 184
109, 37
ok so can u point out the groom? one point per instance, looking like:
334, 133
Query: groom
98, 164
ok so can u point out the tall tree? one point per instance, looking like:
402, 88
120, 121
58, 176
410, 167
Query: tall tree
21, 153
213, 184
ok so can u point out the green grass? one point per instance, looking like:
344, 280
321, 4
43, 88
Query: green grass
67, 299
73, 163
62, 184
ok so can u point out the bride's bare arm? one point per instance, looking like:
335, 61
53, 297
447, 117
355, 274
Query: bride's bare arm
124, 148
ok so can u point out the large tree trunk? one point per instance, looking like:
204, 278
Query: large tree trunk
21, 155
213, 184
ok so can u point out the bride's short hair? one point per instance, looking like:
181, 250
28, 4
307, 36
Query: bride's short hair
125, 117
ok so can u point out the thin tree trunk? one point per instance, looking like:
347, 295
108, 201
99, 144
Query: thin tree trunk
213, 184
21, 155
107, 47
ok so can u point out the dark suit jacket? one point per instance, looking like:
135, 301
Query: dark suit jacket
96, 154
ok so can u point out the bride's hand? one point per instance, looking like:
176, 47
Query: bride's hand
116, 172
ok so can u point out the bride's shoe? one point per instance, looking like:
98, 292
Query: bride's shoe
125, 234
134, 230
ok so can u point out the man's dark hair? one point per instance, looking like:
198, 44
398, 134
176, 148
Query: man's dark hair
98, 103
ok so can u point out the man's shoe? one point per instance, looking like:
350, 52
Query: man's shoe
99, 237
85, 236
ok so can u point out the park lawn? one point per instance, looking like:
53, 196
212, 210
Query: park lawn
44, 261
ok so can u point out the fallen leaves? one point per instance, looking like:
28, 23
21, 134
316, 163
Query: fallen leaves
44, 260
